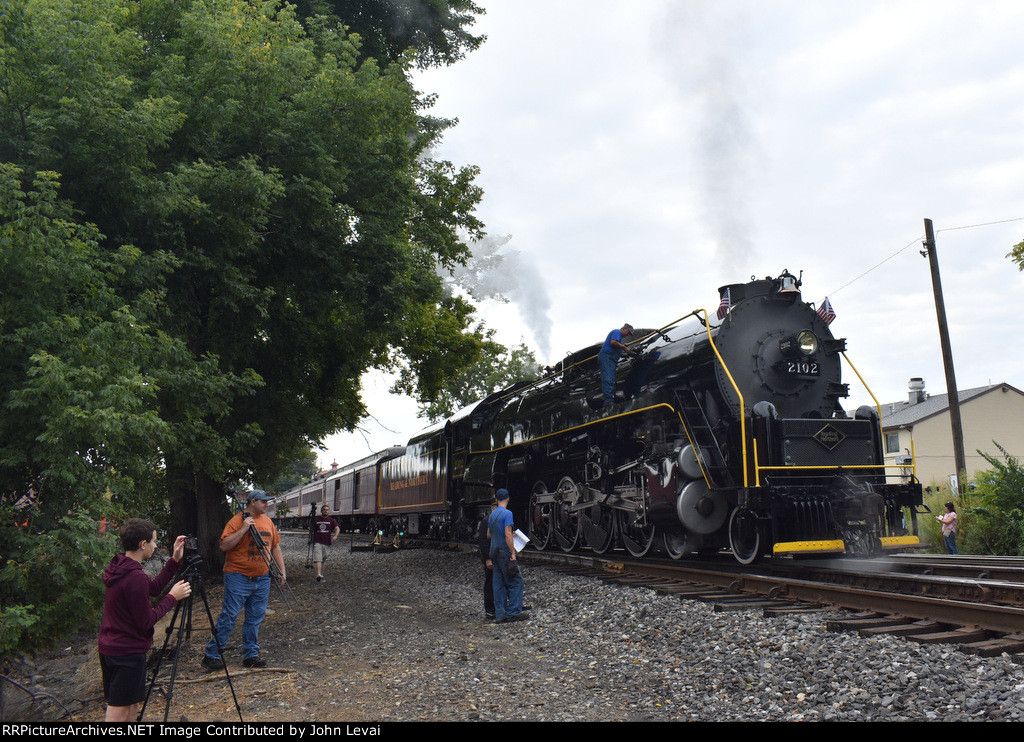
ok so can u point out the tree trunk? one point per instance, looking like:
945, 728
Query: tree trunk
198, 508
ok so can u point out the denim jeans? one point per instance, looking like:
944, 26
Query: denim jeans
250, 593
607, 364
508, 591
950, 541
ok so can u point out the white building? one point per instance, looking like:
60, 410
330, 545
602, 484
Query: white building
922, 425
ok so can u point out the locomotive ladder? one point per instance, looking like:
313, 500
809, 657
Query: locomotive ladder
703, 438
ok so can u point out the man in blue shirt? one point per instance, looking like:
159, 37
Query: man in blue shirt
508, 581
608, 357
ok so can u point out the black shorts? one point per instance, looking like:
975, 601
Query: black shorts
124, 679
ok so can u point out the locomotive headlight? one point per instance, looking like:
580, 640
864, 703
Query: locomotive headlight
803, 343
807, 342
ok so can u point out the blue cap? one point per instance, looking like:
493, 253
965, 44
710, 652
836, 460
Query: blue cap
258, 495
501, 495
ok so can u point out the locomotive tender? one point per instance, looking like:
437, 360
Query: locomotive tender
726, 433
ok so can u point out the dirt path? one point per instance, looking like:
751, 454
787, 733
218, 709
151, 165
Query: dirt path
338, 656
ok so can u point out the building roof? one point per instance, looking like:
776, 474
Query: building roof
906, 413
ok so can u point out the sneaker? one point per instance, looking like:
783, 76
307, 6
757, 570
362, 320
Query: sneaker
519, 617
319, 578
212, 663
489, 614
254, 662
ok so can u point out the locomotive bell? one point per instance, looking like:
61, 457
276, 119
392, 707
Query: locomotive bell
788, 284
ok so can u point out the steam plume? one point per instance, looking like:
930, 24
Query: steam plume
493, 272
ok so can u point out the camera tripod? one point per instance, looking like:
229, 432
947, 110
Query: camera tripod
312, 533
181, 620
275, 572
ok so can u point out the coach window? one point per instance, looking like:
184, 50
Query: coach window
892, 442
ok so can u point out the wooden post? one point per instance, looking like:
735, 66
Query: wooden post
947, 360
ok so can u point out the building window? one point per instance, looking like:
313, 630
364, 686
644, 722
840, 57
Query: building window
892, 442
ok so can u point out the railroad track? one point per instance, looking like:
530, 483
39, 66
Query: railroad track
924, 599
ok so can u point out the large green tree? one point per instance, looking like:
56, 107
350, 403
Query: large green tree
79, 415
280, 177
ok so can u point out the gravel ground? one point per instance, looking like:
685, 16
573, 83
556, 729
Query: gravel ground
402, 637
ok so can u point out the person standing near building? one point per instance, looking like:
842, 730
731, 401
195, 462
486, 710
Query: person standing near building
608, 358
508, 581
325, 533
246, 580
948, 521
126, 630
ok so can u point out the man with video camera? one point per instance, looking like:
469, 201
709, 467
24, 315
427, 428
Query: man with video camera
246, 579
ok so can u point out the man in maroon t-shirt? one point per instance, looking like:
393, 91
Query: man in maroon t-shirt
325, 532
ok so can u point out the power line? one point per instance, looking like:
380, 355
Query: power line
983, 224
917, 240
913, 242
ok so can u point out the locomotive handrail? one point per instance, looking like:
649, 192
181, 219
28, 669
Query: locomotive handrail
554, 374
758, 468
865, 384
878, 408
743, 414
821, 467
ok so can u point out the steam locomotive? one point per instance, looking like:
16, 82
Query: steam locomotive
726, 432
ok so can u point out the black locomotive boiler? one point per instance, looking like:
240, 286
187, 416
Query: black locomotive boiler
726, 433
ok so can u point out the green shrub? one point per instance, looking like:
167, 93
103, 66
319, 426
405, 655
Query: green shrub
997, 515
50, 578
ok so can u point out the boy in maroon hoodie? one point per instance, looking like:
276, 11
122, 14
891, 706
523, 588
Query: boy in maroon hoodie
126, 632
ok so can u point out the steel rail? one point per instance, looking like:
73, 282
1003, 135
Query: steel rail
985, 615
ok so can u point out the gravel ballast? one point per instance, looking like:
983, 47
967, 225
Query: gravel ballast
402, 636
593, 651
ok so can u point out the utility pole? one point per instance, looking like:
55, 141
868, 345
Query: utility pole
947, 359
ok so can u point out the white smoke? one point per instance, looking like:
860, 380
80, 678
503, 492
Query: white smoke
703, 42
496, 273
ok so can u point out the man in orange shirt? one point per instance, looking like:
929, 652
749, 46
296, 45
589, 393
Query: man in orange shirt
246, 580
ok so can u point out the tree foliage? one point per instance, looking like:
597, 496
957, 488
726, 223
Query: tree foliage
997, 521
434, 31
301, 470
498, 368
79, 418
266, 215
1017, 255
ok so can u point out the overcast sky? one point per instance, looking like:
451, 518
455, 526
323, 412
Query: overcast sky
637, 156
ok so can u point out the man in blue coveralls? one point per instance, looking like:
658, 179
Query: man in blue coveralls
508, 581
608, 357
